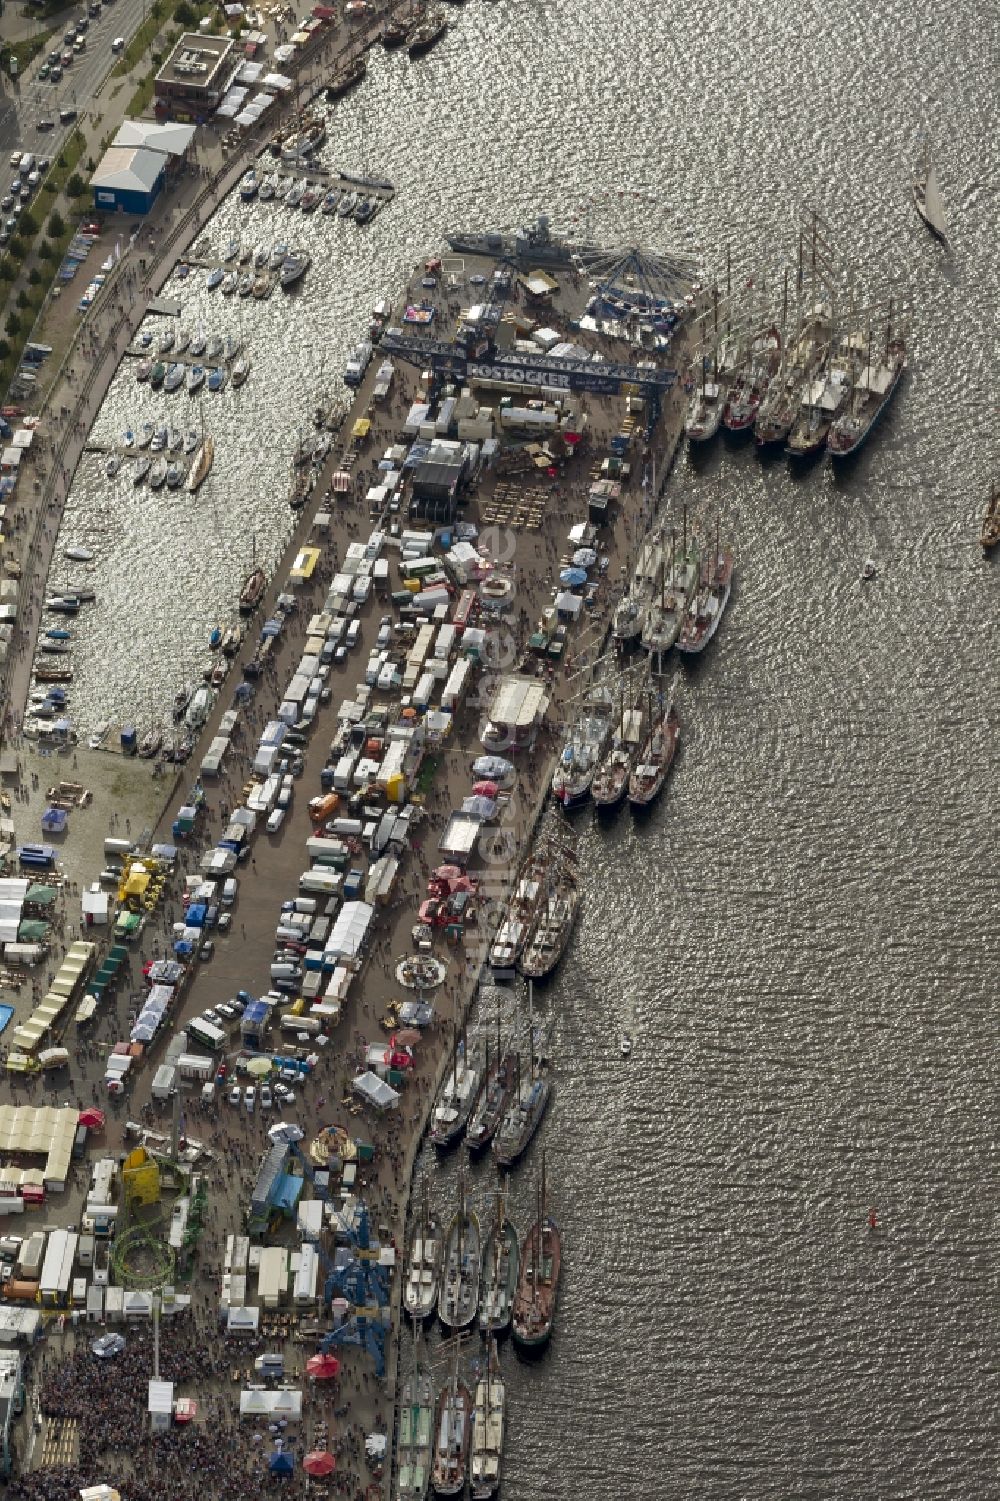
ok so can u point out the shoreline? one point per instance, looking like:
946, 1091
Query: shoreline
348, 524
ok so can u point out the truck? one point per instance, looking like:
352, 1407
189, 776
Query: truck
29, 1262
57, 1269
304, 1286
164, 1081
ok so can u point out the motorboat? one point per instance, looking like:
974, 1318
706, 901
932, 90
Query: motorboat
141, 469
158, 474
213, 349
231, 346
78, 554
231, 252
142, 370
166, 341
113, 465
174, 377
277, 255
239, 372
217, 378
175, 440
182, 341
215, 278
191, 440
294, 268
158, 442
245, 285
145, 437
199, 344
195, 378
157, 374
175, 476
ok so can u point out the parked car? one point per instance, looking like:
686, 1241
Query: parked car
15, 156
67, 116
48, 124
266, 1098
118, 44
211, 1015
207, 949
67, 58
235, 1095
283, 1094
225, 922
55, 73
43, 71
249, 1098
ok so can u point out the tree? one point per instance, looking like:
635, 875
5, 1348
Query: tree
34, 276
4, 350
57, 227
13, 325
75, 186
29, 224
23, 300
47, 251
18, 248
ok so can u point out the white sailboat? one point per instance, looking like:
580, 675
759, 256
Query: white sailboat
927, 198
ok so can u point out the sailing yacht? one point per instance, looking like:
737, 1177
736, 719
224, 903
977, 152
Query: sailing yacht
707, 607
666, 615
416, 1434
874, 387
927, 198
487, 1429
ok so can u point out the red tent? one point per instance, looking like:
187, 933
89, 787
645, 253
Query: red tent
323, 1367
185, 1409
92, 1118
319, 1462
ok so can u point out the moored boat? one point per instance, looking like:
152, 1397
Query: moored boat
348, 78
488, 1417
750, 386
458, 1294
523, 1118
538, 1280
428, 31
293, 268
455, 1100
253, 591
416, 1434
453, 1423
708, 605
420, 1289
498, 1283
656, 755
499, 1079
873, 388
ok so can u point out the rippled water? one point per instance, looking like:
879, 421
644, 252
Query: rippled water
802, 936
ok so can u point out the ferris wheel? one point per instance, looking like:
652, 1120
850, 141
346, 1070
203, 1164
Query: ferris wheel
630, 281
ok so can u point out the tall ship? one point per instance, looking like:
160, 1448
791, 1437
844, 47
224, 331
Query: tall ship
874, 387
501, 1262
499, 1078
555, 915
534, 244
416, 1432
717, 364
751, 384
706, 610
487, 1429
458, 1298
455, 1100
515, 925
823, 400
584, 746
538, 1279
529, 1102
989, 532
452, 1433
420, 1290
665, 615
630, 614
656, 756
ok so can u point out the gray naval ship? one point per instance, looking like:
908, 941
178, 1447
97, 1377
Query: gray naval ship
534, 245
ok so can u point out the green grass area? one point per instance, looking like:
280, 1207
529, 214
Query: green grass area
24, 50
139, 101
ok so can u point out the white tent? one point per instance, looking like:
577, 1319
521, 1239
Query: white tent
350, 930
569, 604
242, 1321
376, 1091
283, 1403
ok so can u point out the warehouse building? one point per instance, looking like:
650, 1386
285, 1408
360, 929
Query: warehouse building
128, 180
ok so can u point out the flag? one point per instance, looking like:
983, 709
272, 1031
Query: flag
118, 250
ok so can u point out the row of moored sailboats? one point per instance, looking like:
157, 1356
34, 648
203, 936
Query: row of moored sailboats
816, 378
449, 1435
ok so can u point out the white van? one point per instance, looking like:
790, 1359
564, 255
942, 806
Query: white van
274, 820
353, 632
285, 971
230, 887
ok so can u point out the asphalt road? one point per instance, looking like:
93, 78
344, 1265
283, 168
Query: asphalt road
26, 101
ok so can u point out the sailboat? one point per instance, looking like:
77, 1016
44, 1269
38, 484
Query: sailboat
989, 532
630, 614
530, 1102
927, 198
420, 1289
874, 387
452, 1431
584, 747
415, 1439
506, 947
555, 915
666, 615
538, 1280
610, 782
458, 1298
456, 1097
501, 1261
493, 1098
656, 755
487, 1429
706, 609
253, 586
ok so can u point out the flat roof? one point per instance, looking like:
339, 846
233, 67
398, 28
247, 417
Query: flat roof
518, 702
197, 61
